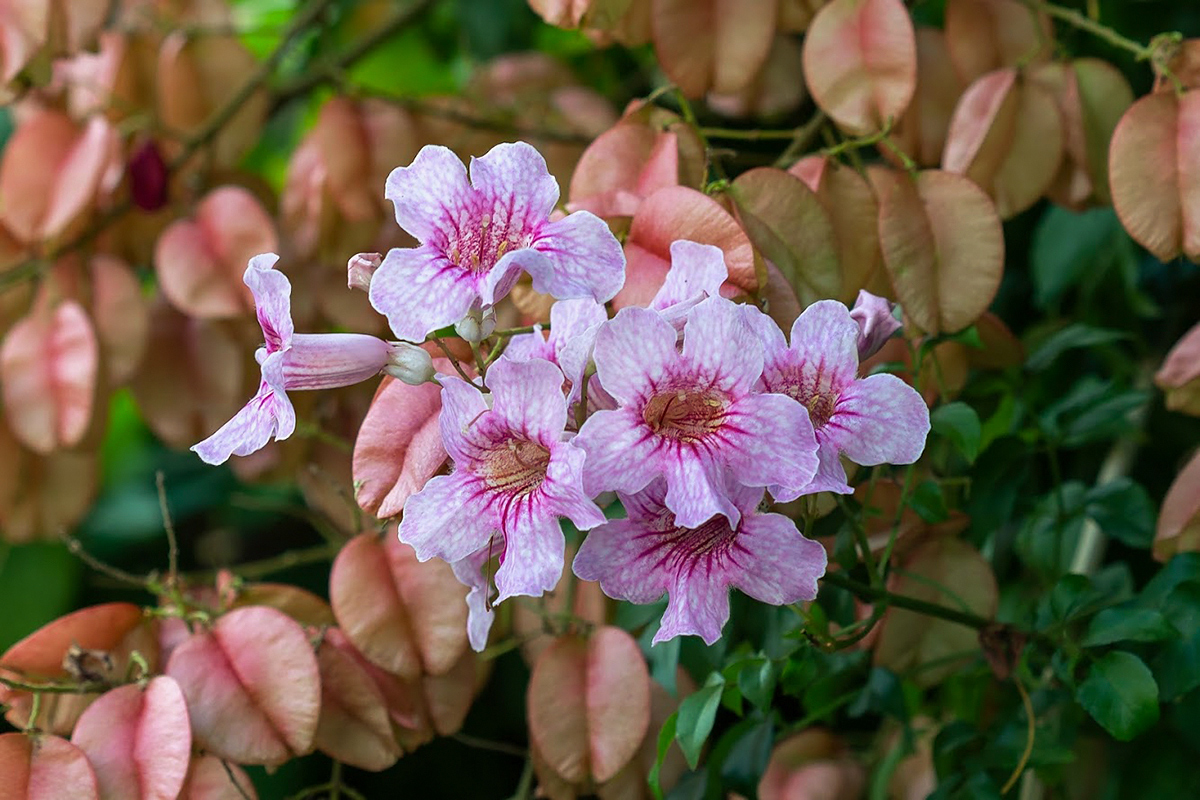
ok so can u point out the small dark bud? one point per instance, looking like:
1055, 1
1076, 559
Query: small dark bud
148, 177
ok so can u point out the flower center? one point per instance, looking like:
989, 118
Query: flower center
815, 393
685, 416
676, 547
517, 467
483, 239
820, 407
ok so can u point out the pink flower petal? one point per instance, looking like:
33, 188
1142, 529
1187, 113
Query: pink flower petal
771, 443
783, 565
419, 291
428, 192
470, 572
697, 270
582, 259
272, 299
696, 490
269, 413
619, 452
445, 519
697, 606
528, 397
513, 181
721, 348
634, 351
564, 489
879, 420
825, 340
462, 406
533, 559
609, 555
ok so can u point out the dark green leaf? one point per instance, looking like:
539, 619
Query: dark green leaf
1072, 337
1128, 625
1124, 511
756, 680
743, 753
883, 694
1120, 694
696, 716
666, 735
959, 423
1066, 246
929, 502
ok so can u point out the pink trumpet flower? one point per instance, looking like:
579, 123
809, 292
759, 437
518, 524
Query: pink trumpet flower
514, 477
691, 416
650, 552
875, 420
477, 235
292, 361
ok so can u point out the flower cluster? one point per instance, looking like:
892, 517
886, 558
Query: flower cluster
695, 410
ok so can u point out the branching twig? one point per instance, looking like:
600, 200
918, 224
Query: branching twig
169, 527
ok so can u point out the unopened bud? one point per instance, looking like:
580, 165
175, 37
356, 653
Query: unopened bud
148, 177
476, 325
876, 323
360, 268
409, 363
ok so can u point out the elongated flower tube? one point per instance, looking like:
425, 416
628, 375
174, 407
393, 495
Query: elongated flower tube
691, 416
649, 553
289, 361
477, 236
514, 477
875, 420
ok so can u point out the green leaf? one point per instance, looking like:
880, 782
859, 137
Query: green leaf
743, 753
664, 663
756, 680
665, 736
1066, 246
1123, 510
1120, 694
1071, 337
1090, 411
959, 423
929, 502
883, 694
1128, 625
696, 716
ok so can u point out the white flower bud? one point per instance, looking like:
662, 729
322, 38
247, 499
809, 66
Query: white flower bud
409, 363
476, 325
360, 268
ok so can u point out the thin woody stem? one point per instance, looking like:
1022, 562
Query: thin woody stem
865, 591
55, 687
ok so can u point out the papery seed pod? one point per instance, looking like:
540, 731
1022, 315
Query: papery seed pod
114, 628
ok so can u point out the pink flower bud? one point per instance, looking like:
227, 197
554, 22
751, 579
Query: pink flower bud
360, 268
409, 363
876, 324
